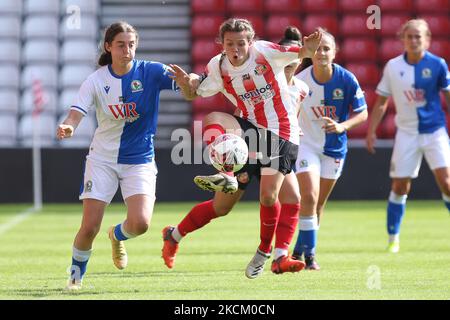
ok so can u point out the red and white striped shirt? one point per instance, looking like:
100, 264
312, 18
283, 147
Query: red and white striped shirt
258, 87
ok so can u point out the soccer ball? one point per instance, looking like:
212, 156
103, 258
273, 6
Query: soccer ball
228, 153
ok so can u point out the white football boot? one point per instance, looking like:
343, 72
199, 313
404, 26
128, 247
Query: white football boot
217, 182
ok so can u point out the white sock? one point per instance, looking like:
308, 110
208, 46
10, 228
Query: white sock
176, 235
445, 198
394, 238
125, 233
81, 255
279, 253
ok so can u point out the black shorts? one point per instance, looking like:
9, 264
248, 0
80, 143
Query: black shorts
266, 150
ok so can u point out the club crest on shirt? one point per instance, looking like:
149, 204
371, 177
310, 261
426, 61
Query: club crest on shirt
338, 94
426, 73
88, 186
136, 86
260, 69
246, 77
303, 163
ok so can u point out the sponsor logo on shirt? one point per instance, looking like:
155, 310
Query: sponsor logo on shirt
136, 86
124, 111
324, 111
258, 95
107, 89
416, 96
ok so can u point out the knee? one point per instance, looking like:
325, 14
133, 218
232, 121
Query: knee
309, 199
221, 211
138, 227
268, 199
89, 232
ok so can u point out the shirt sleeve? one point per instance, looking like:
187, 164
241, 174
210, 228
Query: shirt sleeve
211, 81
85, 98
384, 86
161, 73
444, 76
358, 102
277, 54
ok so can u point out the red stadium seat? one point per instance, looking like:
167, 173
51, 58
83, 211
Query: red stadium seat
448, 123
328, 22
359, 50
390, 48
206, 25
208, 6
387, 127
391, 23
200, 68
257, 23
440, 6
370, 95
440, 47
405, 6
439, 24
356, 6
236, 7
366, 73
209, 104
356, 25
359, 132
277, 23
203, 50
319, 6
283, 6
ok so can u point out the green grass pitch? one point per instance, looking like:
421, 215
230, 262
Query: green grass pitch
35, 254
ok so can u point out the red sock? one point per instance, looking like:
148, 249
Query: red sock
287, 225
268, 220
199, 216
211, 132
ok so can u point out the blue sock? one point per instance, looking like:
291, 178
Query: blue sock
395, 211
309, 239
79, 263
298, 249
307, 236
119, 233
446, 201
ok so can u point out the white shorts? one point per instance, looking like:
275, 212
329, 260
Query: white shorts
310, 160
409, 150
101, 180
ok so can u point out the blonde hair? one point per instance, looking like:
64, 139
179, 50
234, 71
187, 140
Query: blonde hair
236, 25
414, 23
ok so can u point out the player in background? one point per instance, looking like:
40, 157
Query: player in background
325, 118
414, 80
251, 75
125, 95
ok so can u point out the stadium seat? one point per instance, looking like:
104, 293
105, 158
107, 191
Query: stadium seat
366, 73
276, 25
73, 75
10, 26
49, 105
79, 51
439, 24
47, 125
360, 131
41, 26
89, 28
404, 6
199, 68
206, 25
258, 24
209, 104
390, 48
359, 6
10, 51
326, 21
438, 6
440, 47
387, 127
236, 7
358, 50
356, 25
40, 51
9, 101
203, 50
83, 134
47, 73
391, 23
283, 6
86, 6
11, 78
8, 130
370, 96
42, 6
328, 6
208, 6
12, 6
67, 98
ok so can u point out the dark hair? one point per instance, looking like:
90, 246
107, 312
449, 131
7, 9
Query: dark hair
110, 33
292, 36
236, 25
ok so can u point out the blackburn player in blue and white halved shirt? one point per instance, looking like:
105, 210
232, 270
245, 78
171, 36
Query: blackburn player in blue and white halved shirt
324, 118
125, 95
414, 80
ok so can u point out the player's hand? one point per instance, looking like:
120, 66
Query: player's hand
331, 126
64, 131
188, 83
310, 45
371, 139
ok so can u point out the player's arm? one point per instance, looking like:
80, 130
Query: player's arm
68, 126
375, 118
310, 45
447, 99
188, 83
331, 126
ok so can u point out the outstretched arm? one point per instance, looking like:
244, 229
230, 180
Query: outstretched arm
310, 45
188, 83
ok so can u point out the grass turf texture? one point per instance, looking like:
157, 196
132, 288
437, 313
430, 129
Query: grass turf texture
35, 254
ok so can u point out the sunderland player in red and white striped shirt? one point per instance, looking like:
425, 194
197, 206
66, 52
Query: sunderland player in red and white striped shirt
251, 75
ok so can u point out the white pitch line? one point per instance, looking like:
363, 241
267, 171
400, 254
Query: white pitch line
16, 220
